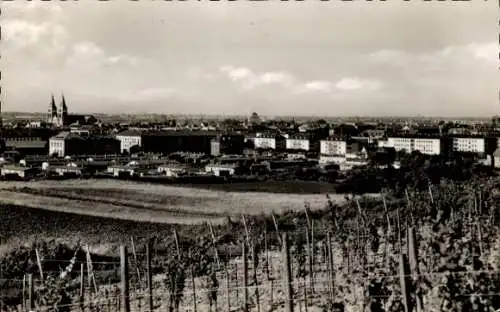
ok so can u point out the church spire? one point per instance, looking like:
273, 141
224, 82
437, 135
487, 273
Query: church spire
52, 108
63, 104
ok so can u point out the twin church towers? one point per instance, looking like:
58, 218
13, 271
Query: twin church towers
57, 114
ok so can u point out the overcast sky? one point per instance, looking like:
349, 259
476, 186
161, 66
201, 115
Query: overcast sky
296, 58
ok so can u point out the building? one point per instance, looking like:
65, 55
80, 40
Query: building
18, 172
469, 145
298, 142
58, 116
167, 142
428, 146
227, 144
269, 141
496, 158
69, 144
335, 146
129, 139
27, 145
331, 159
475, 145
349, 164
176, 170
127, 170
57, 144
220, 170
70, 169
409, 144
296, 155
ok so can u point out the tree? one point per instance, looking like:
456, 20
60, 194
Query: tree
135, 149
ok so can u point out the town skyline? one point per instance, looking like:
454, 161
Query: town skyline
312, 59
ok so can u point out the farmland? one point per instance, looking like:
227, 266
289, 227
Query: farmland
151, 202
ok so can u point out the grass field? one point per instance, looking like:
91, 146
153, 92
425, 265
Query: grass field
152, 202
281, 187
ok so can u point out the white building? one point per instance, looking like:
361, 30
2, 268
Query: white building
469, 145
57, 144
69, 169
174, 170
496, 158
332, 147
19, 171
131, 169
429, 146
128, 139
351, 163
220, 170
298, 143
328, 159
268, 141
265, 142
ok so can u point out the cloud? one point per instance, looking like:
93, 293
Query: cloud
249, 80
90, 54
445, 57
237, 73
123, 59
316, 86
484, 51
351, 84
20, 34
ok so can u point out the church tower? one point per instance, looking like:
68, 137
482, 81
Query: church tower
52, 116
63, 111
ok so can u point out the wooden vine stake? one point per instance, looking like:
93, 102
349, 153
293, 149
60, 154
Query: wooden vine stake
24, 292
194, 289
245, 276
309, 247
255, 281
275, 221
403, 279
125, 296
90, 271
177, 246
82, 287
214, 241
268, 269
413, 257
39, 262
149, 277
287, 268
331, 265
136, 262
309, 257
313, 257
228, 287
386, 214
31, 293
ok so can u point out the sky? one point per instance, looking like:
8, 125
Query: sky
275, 58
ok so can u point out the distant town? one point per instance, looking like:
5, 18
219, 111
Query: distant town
65, 145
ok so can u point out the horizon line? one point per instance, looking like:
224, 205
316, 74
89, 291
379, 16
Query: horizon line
267, 115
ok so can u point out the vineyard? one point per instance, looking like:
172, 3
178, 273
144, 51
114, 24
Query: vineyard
437, 250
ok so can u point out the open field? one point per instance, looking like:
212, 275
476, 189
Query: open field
281, 187
151, 202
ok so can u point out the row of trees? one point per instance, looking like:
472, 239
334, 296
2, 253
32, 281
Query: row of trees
416, 170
